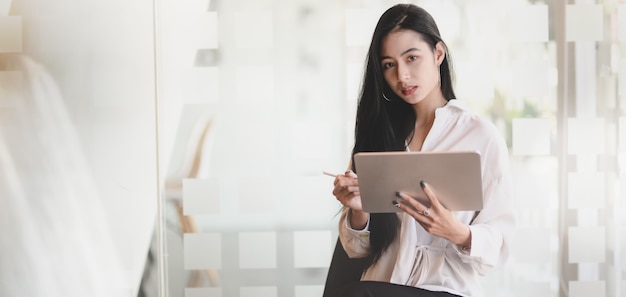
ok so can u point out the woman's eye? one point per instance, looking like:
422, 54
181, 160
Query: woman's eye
387, 65
412, 58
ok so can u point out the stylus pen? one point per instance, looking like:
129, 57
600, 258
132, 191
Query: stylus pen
329, 174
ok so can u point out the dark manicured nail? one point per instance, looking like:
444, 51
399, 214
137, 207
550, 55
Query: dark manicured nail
422, 184
398, 195
395, 203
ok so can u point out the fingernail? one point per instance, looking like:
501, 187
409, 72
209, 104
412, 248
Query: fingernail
398, 195
422, 184
395, 203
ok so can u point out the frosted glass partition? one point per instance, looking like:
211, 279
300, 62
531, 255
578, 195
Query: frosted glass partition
225, 113
259, 98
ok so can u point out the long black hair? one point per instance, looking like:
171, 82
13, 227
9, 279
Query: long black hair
383, 120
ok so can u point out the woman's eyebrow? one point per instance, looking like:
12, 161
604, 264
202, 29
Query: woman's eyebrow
403, 53
409, 50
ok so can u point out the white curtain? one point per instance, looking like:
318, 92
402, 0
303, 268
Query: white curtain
54, 237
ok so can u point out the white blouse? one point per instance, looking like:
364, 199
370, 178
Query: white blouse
417, 258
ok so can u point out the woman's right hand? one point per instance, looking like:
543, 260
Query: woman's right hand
347, 190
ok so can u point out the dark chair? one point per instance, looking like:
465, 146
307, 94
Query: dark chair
343, 269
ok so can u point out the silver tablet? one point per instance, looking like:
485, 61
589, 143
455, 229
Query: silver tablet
454, 176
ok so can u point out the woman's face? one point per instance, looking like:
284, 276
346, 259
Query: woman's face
410, 66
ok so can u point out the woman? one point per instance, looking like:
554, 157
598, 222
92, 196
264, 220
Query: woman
407, 103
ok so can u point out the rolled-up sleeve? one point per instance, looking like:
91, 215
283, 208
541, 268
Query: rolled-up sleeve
493, 229
356, 243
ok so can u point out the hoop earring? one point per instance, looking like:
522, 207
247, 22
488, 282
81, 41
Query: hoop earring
385, 97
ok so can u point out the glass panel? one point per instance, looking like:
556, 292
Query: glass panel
78, 182
259, 97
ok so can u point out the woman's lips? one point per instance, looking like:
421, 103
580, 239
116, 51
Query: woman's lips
408, 91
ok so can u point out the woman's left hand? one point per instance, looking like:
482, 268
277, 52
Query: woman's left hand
436, 219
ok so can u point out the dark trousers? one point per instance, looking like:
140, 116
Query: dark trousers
383, 289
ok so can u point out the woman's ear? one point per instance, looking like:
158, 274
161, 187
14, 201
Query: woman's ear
440, 52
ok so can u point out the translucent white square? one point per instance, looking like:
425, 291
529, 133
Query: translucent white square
202, 251
10, 34
255, 167
203, 292
255, 84
257, 195
354, 76
11, 88
532, 245
313, 193
189, 27
622, 133
542, 174
207, 36
587, 288
521, 30
531, 78
184, 26
310, 139
586, 84
260, 130
584, 22
531, 136
587, 244
447, 14
5, 5
201, 85
527, 288
621, 81
258, 291
586, 190
201, 196
189, 7
621, 21
309, 291
257, 250
589, 271
312, 249
360, 24
254, 29
475, 79
585, 136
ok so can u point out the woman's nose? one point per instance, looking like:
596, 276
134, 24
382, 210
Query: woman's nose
403, 73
